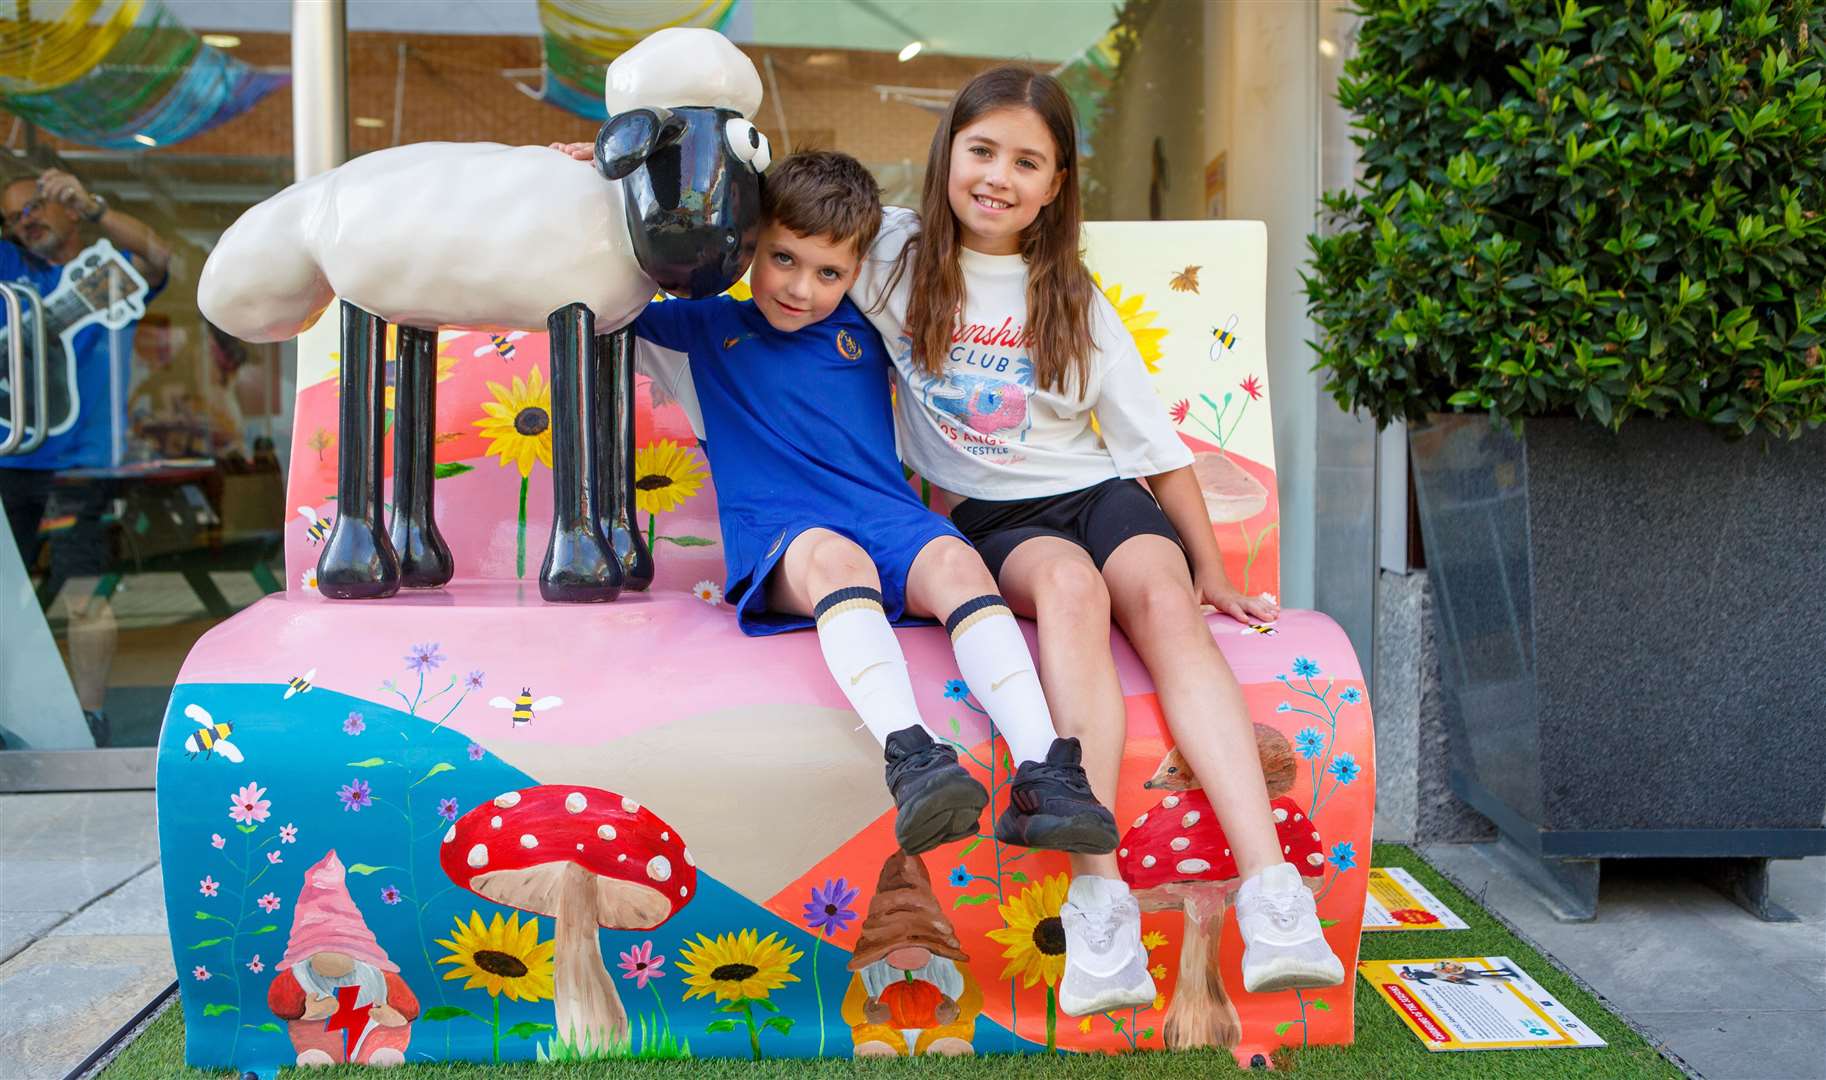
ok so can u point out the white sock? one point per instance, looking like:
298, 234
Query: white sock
865, 659
1090, 891
993, 658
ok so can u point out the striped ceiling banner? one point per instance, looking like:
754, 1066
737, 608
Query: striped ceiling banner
582, 36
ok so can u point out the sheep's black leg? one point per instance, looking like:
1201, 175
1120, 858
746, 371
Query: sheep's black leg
424, 558
580, 566
616, 391
358, 561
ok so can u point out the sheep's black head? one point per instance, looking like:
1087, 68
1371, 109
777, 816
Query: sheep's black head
690, 178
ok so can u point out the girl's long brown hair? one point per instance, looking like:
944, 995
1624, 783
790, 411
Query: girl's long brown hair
1059, 288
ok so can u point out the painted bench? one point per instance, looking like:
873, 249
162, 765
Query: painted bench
464, 823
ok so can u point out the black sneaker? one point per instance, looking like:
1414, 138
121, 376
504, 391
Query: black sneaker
1051, 806
935, 800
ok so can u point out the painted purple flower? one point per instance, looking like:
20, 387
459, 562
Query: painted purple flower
354, 725
476, 751
829, 909
356, 796
473, 680
390, 894
447, 809
424, 657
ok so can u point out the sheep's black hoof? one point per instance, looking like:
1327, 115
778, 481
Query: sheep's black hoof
424, 558
358, 562
1259, 1061
636, 561
580, 567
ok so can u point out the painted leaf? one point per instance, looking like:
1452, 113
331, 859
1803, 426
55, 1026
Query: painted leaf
448, 1012
207, 942
688, 541
718, 1026
268, 1026
972, 901
782, 1024
1325, 924
1018, 878
247, 828
1146, 1033
367, 763
971, 846
1319, 1004
954, 728
218, 1010
364, 869
440, 767
766, 1004
447, 469
204, 915
1281, 1028
528, 1029
267, 929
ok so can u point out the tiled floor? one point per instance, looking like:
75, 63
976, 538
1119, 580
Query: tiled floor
83, 943
1734, 998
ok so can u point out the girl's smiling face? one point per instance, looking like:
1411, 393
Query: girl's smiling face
1004, 171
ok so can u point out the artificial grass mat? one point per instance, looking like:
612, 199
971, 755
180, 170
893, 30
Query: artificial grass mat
1384, 1050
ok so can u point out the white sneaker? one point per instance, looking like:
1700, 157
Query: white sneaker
1105, 965
1284, 947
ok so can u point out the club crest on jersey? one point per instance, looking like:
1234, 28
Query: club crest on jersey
847, 346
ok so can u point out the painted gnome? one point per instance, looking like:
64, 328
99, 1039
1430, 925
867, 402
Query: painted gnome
912, 992
343, 1000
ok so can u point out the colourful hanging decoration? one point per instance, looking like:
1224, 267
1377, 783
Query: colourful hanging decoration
157, 84
582, 36
44, 51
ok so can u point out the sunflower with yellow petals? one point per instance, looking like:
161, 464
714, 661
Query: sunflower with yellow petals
519, 423
737, 967
665, 475
1138, 322
503, 957
1035, 936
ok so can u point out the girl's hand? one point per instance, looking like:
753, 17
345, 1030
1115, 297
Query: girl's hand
1215, 589
580, 151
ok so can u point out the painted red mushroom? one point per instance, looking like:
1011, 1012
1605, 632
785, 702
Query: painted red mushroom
1175, 858
587, 858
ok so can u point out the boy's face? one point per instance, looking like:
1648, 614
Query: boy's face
799, 280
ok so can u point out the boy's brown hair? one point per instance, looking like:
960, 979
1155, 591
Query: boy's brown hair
823, 193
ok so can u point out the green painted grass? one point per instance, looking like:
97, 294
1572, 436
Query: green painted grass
1385, 1049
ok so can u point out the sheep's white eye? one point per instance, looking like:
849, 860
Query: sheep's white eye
748, 144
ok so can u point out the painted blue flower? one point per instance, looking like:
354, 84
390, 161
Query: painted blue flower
1351, 696
1344, 767
956, 689
961, 876
1285, 706
1342, 856
1310, 743
424, 657
1304, 667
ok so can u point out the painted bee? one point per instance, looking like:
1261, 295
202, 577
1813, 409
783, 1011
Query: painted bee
316, 526
300, 684
1259, 628
502, 344
211, 737
525, 707
1225, 338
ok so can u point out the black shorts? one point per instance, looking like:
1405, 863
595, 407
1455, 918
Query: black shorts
1098, 519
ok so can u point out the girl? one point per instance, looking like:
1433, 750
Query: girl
1004, 349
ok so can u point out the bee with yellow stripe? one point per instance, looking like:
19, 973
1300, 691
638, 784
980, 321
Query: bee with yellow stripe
211, 737
502, 344
316, 526
1225, 338
524, 707
300, 684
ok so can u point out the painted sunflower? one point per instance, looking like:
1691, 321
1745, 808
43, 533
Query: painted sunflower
505, 957
665, 475
1034, 935
1138, 322
737, 967
520, 422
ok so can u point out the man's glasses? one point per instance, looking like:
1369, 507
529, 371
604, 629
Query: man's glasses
13, 221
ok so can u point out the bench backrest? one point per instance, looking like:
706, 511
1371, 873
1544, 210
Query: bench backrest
1193, 294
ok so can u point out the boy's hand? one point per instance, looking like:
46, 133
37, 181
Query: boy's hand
581, 151
1215, 589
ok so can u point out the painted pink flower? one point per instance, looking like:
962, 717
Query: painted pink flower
1179, 410
288, 834
273, 858
390, 895
200, 973
255, 965
268, 903
208, 885
640, 964
1251, 387
354, 725
247, 807
216, 841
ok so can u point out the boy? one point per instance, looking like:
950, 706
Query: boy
820, 528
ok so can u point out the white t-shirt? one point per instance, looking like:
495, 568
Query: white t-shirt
985, 430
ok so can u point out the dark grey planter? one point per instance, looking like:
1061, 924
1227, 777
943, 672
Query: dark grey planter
1632, 635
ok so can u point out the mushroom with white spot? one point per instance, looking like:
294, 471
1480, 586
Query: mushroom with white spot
588, 859
1182, 862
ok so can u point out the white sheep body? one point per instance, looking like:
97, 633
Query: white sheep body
476, 235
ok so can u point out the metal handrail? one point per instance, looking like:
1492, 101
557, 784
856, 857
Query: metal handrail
41, 385
15, 348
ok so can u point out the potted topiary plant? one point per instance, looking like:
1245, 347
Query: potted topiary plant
1586, 263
